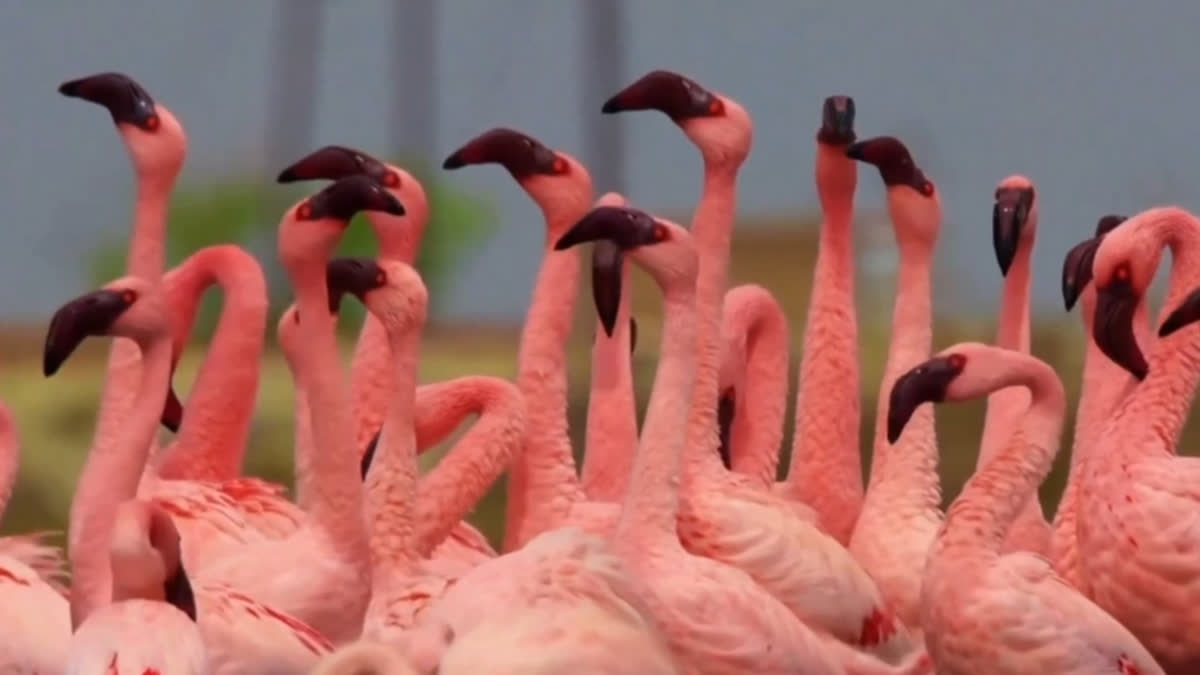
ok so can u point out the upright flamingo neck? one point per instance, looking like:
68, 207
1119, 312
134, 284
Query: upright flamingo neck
611, 436
761, 402
211, 443
148, 246
1158, 407
907, 470
302, 443
712, 231
978, 521
391, 487
110, 476
10, 456
543, 482
1012, 332
651, 505
825, 445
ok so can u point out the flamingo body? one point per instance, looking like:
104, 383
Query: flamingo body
136, 637
36, 620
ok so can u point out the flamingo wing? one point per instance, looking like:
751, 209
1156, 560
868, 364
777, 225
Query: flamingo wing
135, 637
246, 636
33, 551
36, 621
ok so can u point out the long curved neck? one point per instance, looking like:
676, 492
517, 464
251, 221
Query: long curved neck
542, 481
712, 230
110, 476
1004, 407
1157, 409
449, 491
211, 443
391, 487
611, 435
762, 401
978, 521
907, 470
370, 366
302, 441
10, 456
825, 445
651, 504
336, 485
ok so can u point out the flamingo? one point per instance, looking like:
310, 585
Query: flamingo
715, 617
1103, 385
1137, 499
901, 512
151, 625
543, 486
724, 515
156, 144
238, 631
362, 657
333, 539
984, 610
1014, 229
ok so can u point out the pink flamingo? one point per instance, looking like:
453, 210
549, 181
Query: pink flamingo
984, 610
901, 512
755, 632
32, 604
157, 146
1104, 384
334, 532
723, 515
1137, 499
237, 631
1014, 228
543, 485
151, 624
611, 434
365, 657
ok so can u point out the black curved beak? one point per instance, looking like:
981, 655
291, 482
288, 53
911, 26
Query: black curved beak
91, 314
726, 409
669, 93
926, 383
333, 162
1010, 214
837, 121
1077, 270
1187, 313
172, 414
624, 226
607, 262
349, 195
1112, 327
364, 464
125, 99
857, 151
357, 276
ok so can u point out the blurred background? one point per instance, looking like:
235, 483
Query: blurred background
1083, 98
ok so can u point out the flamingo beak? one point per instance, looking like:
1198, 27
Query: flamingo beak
926, 383
125, 99
607, 263
1010, 214
837, 121
1112, 327
1187, 313
1077, 270
91, 314
349, 195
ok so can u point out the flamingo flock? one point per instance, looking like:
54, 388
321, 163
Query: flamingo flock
673, 550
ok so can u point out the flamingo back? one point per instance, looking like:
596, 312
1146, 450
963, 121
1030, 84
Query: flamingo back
246, 636
36, 621
135, 637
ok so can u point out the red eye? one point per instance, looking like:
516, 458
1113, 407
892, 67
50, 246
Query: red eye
152, 123
1121, 273
560, 166
927, 189
129, 297
661, 233
956, 361
716, 107
391, 180
304, 211
380, 278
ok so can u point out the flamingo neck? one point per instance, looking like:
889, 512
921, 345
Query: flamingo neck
712, 231
906, 472
543, 482
302, 442
611, 435
828, 445
392, 482
109, 477
147, 247
10, 456
978, 521
651, 504
762, 400
1005, 406
211, 444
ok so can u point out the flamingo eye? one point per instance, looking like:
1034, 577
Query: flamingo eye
129, 296
956, 361
304, 211
390, 179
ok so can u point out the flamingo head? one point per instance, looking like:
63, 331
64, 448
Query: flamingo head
1187, 313
1014, 219
718, 125
912, 198
926, 383
1124, 265
334, 162
128, 307
315, 224
1077, 265
664, 248
146, 557
837, 122
154, 137
392, 290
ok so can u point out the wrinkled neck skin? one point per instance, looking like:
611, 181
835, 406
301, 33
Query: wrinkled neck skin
761, 398
110, 476
391, 486
651, 505
712, 230
10, 456
211, 443
370, 367
451, 489
337, 503
1153, 415
978, 521
826, 466
543, 482
611, 435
